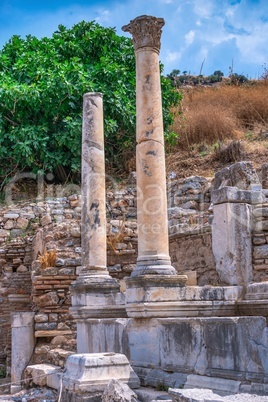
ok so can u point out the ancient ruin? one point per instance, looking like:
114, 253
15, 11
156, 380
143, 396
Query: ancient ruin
179, 299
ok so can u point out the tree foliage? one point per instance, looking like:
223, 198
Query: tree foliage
42, 82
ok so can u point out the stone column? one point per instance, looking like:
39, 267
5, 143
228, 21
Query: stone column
93, 214
154, 267
95, 294
23, 343
153, 245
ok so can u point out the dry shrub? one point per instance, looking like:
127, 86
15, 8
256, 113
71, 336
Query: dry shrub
48, 259
113, 239
228, 153
212, 114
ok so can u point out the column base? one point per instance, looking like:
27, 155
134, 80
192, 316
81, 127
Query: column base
97, 297
152, 295
153, 266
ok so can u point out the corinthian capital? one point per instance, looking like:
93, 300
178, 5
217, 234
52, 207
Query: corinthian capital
146, 31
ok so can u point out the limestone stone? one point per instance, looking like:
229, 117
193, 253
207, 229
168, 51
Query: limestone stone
39, 373
231, 243
262, 212
22, 268
52, 333
241, 175
117, 391
76, 231
213, 383
22, 325
41, 317
194, 395
233, 195
260, 252
47, 299
59, 340
46, 220
11, 215
9, 224
92, 372
45, 326
22, 223
261, 226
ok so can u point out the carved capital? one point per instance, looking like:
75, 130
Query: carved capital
146, 31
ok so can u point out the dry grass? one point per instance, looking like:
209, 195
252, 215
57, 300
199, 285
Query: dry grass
48, 259
212, 114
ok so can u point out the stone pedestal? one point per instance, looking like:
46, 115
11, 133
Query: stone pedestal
87, 375
231, 234
153, 243
95, 293
23, 342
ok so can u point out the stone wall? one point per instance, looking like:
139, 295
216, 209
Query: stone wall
193, 252
260, 242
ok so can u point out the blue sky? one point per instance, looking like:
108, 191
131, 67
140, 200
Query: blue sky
217, 32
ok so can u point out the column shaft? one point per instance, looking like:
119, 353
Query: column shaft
93, 234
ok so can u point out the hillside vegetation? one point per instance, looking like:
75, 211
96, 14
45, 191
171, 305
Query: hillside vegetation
220, 125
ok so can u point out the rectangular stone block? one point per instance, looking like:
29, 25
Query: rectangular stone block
39, 373
260, 252
91, 372
234, 195
213, 383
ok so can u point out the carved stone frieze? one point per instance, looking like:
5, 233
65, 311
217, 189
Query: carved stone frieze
146, 31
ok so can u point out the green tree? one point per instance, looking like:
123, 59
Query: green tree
42, 82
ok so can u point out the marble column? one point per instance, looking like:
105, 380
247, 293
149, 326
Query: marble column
154, 267
95, 294
153, 245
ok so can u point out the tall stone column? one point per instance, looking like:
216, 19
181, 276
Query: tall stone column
154, 267
153, 245
95, 294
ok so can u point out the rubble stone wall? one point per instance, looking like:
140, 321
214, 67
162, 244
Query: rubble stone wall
260, 243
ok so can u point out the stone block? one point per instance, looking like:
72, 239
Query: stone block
22, 223
241, 175
91, 372
213, 383
117, 391
46, 220
231, 243
233, 195
39, 373
260, 252
194, 395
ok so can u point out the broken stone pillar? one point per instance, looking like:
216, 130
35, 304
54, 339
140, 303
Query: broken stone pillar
23, 343
231, 233
154, 267
95, 294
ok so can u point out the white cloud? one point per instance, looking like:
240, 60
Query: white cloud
173, 56
203, 9
189, 37
104, 16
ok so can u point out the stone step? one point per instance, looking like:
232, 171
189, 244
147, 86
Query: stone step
206, 395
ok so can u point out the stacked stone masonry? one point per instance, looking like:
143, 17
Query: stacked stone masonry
260, 242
